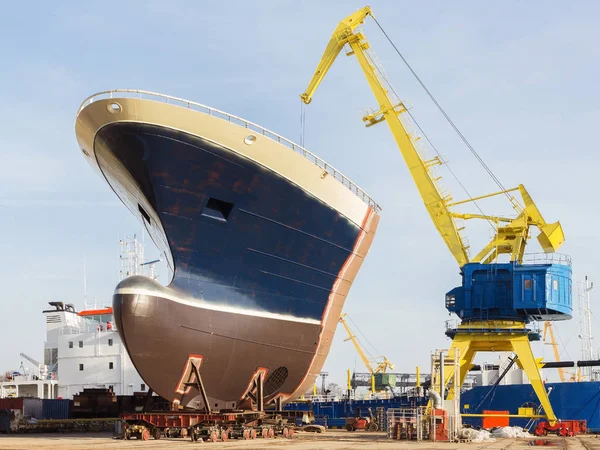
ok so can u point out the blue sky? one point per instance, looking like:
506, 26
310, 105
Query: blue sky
519, 79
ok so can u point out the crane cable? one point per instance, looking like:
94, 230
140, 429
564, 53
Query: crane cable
391, 87
302, 123
452, 124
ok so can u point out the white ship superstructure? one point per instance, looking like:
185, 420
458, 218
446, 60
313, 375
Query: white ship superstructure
87, 352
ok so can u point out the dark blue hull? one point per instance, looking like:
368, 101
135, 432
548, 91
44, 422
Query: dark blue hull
262, 243
239, 235
334, 413
570, 401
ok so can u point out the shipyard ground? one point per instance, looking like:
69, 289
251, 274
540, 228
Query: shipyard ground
332, 439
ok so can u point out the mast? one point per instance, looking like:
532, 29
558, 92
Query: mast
585, 327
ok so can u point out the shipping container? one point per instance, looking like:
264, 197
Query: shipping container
11, 403
29, 407
57, 409
4, 420
95, 403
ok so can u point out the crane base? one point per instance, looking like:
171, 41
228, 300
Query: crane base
498, 336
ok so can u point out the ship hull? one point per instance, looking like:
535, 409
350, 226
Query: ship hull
570, 401
231, 346
263, 249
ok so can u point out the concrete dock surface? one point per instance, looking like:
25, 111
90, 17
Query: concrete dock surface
330, 440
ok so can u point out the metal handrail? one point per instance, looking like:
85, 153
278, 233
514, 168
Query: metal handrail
135, 93
546, 258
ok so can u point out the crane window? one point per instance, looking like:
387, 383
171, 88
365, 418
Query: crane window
528, 283
555, 285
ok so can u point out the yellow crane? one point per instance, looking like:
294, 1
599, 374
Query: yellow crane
561, 372
548, 328
510, 234
510, 238
383, 364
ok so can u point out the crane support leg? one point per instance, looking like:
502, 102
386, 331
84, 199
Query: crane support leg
466, 355
497, 336
522, 348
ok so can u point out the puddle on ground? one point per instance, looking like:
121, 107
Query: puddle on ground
543, 443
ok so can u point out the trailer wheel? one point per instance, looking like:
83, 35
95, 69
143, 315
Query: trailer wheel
265, 433
183, 432
271, 433
286, 433
253, 434
373, 426
214, 437
246, 435
157, 433
224, 435
291, 433
145, 435
350, 427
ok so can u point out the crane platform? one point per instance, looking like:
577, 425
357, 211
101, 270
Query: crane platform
512, 291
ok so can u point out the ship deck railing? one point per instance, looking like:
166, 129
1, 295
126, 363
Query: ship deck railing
134, 93
70, 329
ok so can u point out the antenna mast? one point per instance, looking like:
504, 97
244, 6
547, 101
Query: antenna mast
132, 259
84, 282
585, 326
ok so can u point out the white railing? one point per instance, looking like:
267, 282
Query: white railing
546, 258
134, 93
82, 329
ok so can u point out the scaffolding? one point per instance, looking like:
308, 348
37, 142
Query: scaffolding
406, 424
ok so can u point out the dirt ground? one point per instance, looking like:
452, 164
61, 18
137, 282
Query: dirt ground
330, 440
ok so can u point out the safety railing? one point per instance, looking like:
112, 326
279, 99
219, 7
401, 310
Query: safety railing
134, 93
547, 258
82, 329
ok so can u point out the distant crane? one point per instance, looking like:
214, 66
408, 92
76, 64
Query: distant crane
41, 368
548, 328
383, 364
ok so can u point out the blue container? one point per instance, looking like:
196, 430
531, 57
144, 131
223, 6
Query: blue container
4, 420
57, 409
512, 291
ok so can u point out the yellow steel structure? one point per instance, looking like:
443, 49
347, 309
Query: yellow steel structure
382, 366
498, 336
561, 372
511, 234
